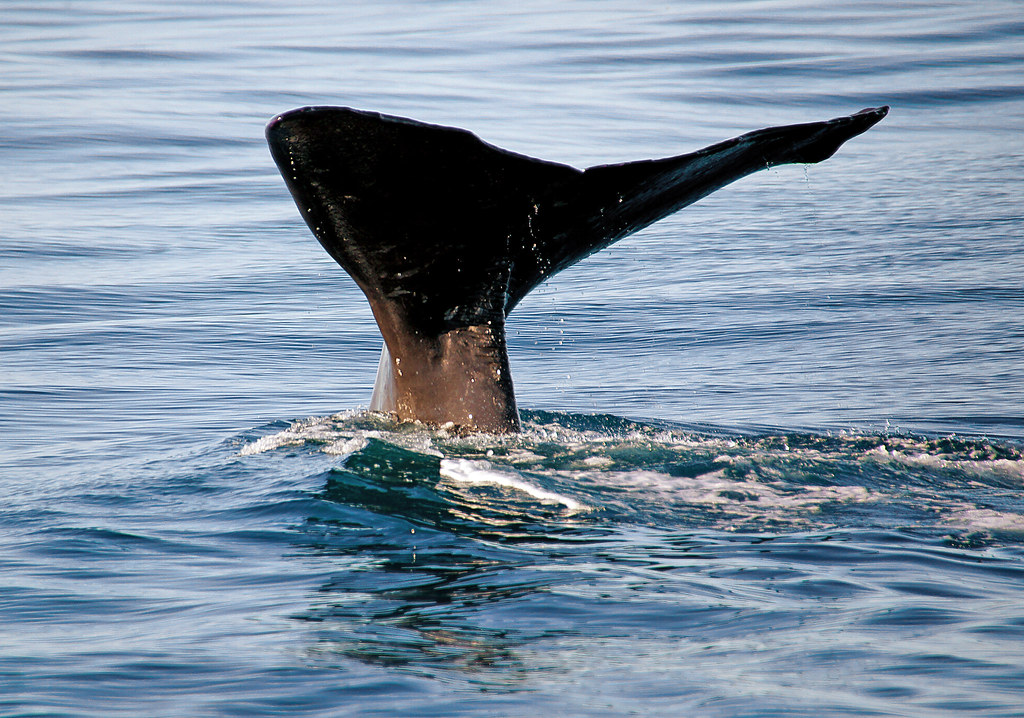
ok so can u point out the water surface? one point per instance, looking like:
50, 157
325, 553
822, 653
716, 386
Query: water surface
773, 453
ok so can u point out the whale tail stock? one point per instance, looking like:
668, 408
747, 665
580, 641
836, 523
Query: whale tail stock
445, 233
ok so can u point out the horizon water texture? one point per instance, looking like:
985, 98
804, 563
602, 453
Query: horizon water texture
773, 455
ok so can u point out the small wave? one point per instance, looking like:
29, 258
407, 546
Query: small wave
302, 434
718, 489
466, 471
918, 456
342, 434
614, 469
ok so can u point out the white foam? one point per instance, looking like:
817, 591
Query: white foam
717, 489
976, 518
1006, 468
345, 446
322, 431
288, 437
478, 473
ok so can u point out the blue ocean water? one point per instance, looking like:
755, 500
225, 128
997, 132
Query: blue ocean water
773, 452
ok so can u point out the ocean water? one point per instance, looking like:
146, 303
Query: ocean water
773, 462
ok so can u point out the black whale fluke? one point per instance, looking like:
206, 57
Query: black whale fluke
445, 233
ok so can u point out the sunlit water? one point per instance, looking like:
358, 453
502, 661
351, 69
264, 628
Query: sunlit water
813, 508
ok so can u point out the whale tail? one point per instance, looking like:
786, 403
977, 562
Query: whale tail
445, 233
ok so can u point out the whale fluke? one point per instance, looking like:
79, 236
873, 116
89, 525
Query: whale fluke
445, 233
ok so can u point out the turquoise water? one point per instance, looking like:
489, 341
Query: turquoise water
773, 452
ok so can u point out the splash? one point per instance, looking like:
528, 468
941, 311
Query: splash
608, 469
478, 473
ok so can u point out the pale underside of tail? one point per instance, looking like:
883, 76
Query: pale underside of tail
445, 234
384, 396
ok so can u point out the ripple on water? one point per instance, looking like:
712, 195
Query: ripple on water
609, 470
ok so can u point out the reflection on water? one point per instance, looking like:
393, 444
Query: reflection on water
511, 591
853, 613
435, 609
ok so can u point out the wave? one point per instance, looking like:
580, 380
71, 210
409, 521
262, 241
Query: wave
572, 471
